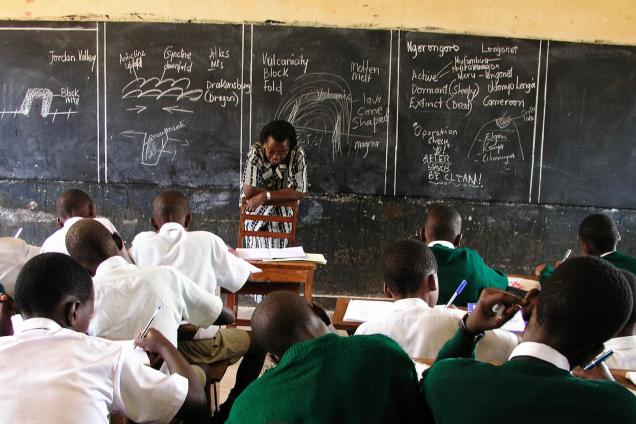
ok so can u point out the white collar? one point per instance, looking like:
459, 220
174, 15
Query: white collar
410, 303
171, 226
109, 264
442, 243
626, 342
606, 253
543, 352
71, 221
38, 323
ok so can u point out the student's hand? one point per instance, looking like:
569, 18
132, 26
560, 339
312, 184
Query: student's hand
154, 342
539, 269
254, 202
484, 318
599, 372
7, 310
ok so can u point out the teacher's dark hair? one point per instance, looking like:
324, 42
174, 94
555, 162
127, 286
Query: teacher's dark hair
280, 131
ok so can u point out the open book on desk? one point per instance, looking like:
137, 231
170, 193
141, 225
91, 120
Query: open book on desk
317, 258
269, 254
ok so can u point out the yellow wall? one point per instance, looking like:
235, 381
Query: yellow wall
612, 21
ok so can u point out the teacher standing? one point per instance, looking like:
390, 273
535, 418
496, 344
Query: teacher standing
275, 172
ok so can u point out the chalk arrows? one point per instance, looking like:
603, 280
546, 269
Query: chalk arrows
138, 108
171, 109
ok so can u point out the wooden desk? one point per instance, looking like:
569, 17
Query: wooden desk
275, 276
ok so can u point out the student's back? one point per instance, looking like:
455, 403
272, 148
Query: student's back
523, 390
365, 379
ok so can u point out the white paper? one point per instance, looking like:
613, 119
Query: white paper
516, 324
260, 254
364, 310
420, 368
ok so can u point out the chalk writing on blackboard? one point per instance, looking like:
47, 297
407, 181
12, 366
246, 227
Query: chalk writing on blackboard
45, 96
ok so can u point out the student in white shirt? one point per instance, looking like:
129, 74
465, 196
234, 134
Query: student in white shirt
71, 206
14, 253
624, 343
205, 259
421, 329
53, 372
126, 295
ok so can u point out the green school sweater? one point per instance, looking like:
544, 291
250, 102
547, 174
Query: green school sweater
455, 265
618, 259
333, 379
522, 390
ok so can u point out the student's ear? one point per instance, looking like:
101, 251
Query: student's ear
71, 312
458, 239
431, 282
154, 224
585, 249
188, 218
530, 300
423, 235
60, 222
387, 292
92, 213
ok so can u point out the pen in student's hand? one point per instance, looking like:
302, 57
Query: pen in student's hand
17, 235
147, 327
460, 288
598, 360
567, 255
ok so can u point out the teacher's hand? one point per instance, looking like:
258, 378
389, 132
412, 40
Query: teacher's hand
254, 202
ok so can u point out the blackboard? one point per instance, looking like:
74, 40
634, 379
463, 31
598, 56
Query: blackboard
378, 112
589, 148
334, 86
467, 109
48, 102
174, 102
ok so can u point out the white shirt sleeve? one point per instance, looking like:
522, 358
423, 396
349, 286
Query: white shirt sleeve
201, 307
144, 394
231, 271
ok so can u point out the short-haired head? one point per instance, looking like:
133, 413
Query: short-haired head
283, 319
585, 302
54, 285
170, 206
74, 203
408, 267
598, 234
90, 244
279, 131
442, 222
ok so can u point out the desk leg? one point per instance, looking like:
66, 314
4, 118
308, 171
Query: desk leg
309, 286
232, 303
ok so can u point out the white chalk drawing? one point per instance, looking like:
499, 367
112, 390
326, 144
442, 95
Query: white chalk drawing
157, 146
159, 88
498, 141
45, 96
138, 108
176, 108
319, 105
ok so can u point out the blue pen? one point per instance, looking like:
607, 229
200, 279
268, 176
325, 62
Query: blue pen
461, 287
598, 360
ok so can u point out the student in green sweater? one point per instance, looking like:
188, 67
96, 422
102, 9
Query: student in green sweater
442, 232
321, 377
585, 302
598, 236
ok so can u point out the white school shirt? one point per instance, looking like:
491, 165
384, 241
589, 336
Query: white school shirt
57, 241
201, 255
55, 375
14, 253
544, 352
624, 356
422, 331
126, 296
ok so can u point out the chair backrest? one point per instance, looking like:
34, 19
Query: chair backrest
291, 236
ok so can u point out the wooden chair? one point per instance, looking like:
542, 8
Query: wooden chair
291, 236
214, 372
